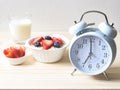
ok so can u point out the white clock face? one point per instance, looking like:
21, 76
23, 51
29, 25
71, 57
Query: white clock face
91, 54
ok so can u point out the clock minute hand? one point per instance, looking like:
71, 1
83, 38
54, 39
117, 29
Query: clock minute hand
90, 46
90, 53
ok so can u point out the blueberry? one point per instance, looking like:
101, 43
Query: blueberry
48, 38
57, 44
37, 44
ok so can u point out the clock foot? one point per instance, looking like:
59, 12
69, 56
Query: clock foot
73, 71
106, 76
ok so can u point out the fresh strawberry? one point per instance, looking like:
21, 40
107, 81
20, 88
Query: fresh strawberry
39, 39
47, 44
8, 53
5, 51
18, 51
14, 52
55, 39
22, 51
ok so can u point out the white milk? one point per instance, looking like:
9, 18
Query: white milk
20, 29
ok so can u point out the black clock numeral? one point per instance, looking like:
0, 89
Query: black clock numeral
76, 52
93, 39
84, 41
80, 45
98, 65
105, 55
102, 61
78, 59
103, 47
90, 66
99, 43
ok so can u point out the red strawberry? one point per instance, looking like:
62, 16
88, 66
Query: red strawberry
39, 39
14, 52
22, 51
47, 44
8, 53
55, 39
5, 51
18, 51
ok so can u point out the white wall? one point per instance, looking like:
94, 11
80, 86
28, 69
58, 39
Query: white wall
58, 14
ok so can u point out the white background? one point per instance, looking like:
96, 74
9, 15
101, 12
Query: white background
58, 15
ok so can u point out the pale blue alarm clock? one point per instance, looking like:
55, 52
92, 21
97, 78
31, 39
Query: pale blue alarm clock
92, 50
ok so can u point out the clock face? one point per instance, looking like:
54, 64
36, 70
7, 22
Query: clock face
91, 54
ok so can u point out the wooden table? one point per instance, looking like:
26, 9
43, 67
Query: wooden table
35, 75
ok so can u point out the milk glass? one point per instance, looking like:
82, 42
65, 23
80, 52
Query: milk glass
20, 28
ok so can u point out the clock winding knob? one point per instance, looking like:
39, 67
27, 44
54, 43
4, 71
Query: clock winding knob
108, 30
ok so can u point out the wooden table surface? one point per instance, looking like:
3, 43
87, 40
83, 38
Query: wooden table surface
35, 75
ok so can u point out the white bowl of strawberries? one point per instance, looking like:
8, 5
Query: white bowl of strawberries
47, 48
15, 54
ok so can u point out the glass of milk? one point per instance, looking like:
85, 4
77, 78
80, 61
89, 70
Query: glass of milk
20, 28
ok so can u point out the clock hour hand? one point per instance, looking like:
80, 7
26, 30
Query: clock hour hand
89, 56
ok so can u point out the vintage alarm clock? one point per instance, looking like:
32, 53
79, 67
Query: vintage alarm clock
92, 50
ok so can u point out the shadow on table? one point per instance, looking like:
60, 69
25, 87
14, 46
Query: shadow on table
113, 74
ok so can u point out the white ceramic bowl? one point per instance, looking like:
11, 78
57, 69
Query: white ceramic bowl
16, 61
50, 55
